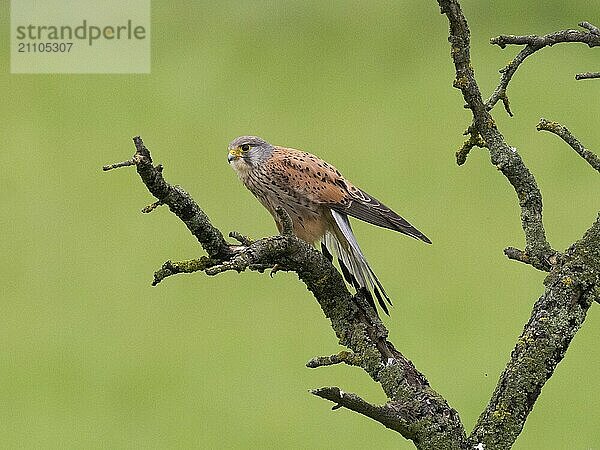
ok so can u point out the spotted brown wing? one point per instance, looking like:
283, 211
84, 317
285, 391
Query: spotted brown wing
322, 183
365, 207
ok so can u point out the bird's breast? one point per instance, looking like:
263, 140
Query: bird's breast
308, 218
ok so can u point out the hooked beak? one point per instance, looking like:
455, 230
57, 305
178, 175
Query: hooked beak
233, 154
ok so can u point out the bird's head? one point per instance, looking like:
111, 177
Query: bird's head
246, 152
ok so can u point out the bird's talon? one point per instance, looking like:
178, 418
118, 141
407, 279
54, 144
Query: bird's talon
276, 268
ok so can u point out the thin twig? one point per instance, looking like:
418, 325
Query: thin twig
507, 74
587, 75
591, 28
517, 255
562, 132
175, 267
339, 358
521, 256
148, 209
384, 414
241, 238
558, 37
129, 162
474, 140
533, 43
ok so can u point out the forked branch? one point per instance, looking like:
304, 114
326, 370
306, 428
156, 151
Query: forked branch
574, 276
533, 43
504, 157
414, 408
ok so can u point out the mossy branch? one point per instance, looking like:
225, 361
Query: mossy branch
556, 317
414, 409
504, 157
424, 415
574, 278
387, 415
563, 132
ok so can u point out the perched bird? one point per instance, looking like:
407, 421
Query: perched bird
319, 200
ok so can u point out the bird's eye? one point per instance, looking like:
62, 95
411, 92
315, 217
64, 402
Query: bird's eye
245, 147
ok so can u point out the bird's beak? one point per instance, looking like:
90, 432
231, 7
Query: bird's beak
233, 154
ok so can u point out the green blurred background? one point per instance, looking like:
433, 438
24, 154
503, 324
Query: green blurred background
94, 357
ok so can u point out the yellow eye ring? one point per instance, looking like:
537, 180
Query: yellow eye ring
245, 147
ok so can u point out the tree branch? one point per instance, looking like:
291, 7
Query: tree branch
419, 412
341, 357
385, 414
474, 140
562, 132
587, 75
179, 202
188, 266
556, 317
533, 43
574, 277
414, 409
505, 158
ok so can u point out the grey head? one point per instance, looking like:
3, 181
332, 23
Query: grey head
250, 150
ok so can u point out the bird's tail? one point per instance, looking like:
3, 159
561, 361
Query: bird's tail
355, 268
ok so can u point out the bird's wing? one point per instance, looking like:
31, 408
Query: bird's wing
368, 208
307, 176
322, 183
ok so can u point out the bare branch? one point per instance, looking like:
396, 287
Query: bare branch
355, 403
555, 319
592, 39
573, 282
517, 255
587, 75
241, 238
562, 132
129, 162
148, 209
173, 268
521, 256
178, 201
533, 43
592, 28
504, 157
339, 358
425, 416
383, 414
474, 140
507, 74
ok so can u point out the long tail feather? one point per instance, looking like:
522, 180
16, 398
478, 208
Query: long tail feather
354, 265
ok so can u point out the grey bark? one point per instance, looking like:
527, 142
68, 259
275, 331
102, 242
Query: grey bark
414, 409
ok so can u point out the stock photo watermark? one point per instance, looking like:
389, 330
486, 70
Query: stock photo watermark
86, 36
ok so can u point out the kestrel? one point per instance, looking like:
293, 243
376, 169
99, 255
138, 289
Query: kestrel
319, 200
